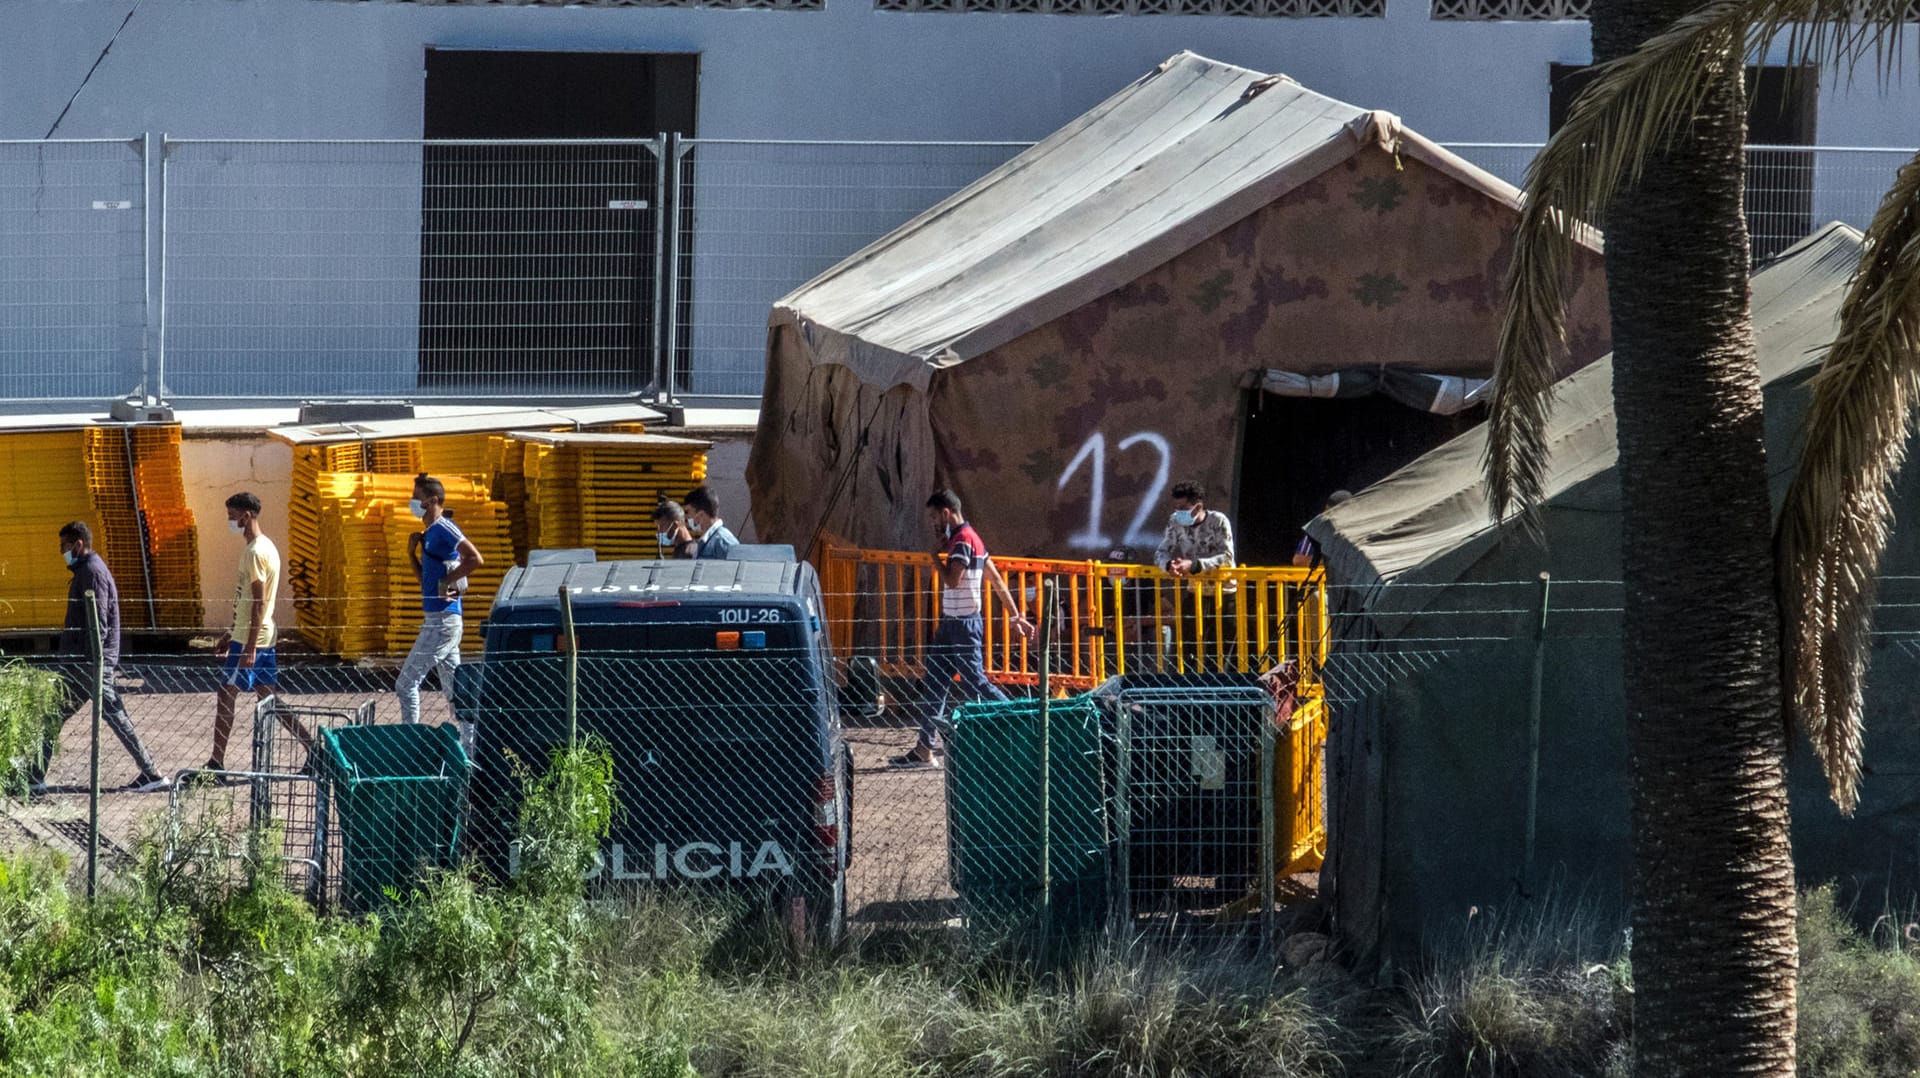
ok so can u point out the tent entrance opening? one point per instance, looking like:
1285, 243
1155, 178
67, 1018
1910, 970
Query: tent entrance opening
1294, 451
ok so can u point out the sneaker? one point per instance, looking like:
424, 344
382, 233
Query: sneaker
151, 784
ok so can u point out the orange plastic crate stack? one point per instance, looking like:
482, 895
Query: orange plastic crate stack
117, 538
173, 540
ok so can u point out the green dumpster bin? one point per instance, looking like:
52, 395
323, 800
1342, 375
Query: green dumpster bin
399, 793
997, 852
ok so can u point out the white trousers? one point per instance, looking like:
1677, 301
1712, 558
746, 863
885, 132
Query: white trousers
436, 648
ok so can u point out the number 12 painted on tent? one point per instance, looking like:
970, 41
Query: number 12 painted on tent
1093, 453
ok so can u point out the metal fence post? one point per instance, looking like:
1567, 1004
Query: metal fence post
1122, 898
150, 275
1046, 756
158, 390
1533, 735
670, 241
93, 745
1268, 825
573, 667
659, 385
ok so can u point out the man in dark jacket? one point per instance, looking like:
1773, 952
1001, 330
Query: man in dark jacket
77, 650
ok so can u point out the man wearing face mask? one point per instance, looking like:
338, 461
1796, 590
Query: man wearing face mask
444, 558
1197, 540
676, 540
78, 646
703, 519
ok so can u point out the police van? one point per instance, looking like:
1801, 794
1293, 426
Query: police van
712, 682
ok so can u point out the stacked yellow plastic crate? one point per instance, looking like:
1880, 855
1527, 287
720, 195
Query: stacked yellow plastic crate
599, 490
116, 530
511, 487
336, 564
44, 482
355, 589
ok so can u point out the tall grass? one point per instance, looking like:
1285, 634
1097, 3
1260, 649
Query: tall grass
1859, 993
187, 966
1535, 991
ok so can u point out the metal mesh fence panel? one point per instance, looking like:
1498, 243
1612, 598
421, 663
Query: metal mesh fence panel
73, 269
1193, 796
758, 219
444, 268
514, 269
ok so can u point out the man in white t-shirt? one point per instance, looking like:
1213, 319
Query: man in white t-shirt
444, 558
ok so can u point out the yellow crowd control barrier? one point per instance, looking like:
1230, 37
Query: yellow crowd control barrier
1111, 619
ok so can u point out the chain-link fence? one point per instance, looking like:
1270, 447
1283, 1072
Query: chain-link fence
73, 269
1474, 726
769, 767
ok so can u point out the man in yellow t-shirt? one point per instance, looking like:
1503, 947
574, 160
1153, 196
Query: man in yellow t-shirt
251, 661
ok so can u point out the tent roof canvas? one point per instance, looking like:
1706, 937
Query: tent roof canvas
1169, 161
1430, 519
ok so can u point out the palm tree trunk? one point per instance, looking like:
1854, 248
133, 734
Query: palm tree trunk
1714, 955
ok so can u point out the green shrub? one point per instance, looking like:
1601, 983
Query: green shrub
1859, 996
32, 703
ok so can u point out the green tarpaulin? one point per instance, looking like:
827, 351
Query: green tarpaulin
1433, 673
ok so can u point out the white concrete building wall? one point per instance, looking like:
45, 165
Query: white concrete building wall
215, 465
340, 69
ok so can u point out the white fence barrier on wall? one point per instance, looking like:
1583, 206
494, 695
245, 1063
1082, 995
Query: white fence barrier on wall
73, 269
512, 269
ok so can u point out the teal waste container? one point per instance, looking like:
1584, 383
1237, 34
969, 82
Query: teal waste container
997, 852
399, 793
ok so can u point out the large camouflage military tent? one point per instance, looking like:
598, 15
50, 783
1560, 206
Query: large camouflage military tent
1215, 274
1432, 674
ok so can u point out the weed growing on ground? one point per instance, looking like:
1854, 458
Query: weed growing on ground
1537, 993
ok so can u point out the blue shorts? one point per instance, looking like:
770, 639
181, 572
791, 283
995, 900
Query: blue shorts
264, 671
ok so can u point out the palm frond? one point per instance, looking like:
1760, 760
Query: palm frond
1834, 525
1632, 109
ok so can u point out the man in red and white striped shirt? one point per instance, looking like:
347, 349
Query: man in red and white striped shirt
959, 641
